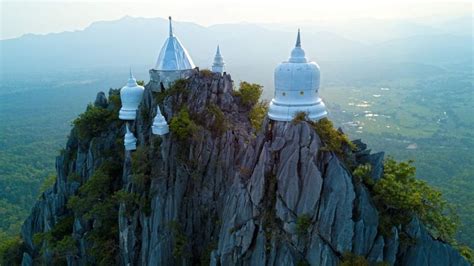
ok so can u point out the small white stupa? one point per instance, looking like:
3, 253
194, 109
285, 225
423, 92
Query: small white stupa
173, 62
297, 88
219, 64
130, 142
160, 126
131, 96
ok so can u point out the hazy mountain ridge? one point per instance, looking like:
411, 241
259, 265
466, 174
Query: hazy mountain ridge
136, 41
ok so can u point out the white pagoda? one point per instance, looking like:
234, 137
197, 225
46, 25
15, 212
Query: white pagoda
160, 126
296, 88
131, 95
173, 62
130, 142
219, 65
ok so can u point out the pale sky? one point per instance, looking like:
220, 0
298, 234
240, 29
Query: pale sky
40, 17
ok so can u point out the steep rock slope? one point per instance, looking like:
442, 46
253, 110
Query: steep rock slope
224, 195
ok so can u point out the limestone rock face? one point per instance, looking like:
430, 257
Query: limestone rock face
236, 196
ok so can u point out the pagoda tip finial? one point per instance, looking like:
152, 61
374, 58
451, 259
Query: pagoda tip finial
298, 39
131, 76
171, 26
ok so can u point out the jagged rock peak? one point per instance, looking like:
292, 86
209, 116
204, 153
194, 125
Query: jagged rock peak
225, 195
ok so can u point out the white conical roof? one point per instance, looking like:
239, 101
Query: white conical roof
173, 55
297, 54
130, 142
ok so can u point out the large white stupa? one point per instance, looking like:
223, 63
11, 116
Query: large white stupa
296, 88
131, 96
173, 62
219, 65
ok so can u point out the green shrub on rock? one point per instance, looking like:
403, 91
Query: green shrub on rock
303, 222
257, 114
399, 196
96, 201
351, 259
206, 73
220, 124
249, 93
182, 126
300, 117
331, 137
180, 239
93, 121
115, 101
58, 240
362, 174
177, 87
466, 252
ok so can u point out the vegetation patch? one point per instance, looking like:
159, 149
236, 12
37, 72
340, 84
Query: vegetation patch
177, 87
180, 239
399, 196
145, 114
220, 124
141, 177
257, 114
300, 117
95, 201
303, 222
114, 100
141, 163
249, 93
58, 240
351, 259
94, 121
270, 220
333, 139
206, 73
206, 254
181, 125
128, 199
466, 252
362, 173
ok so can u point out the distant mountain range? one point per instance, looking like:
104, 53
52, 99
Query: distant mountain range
246, 48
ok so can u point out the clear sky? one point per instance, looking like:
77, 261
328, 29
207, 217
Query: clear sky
34, 16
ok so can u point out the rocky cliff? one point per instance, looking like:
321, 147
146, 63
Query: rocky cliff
224, 195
